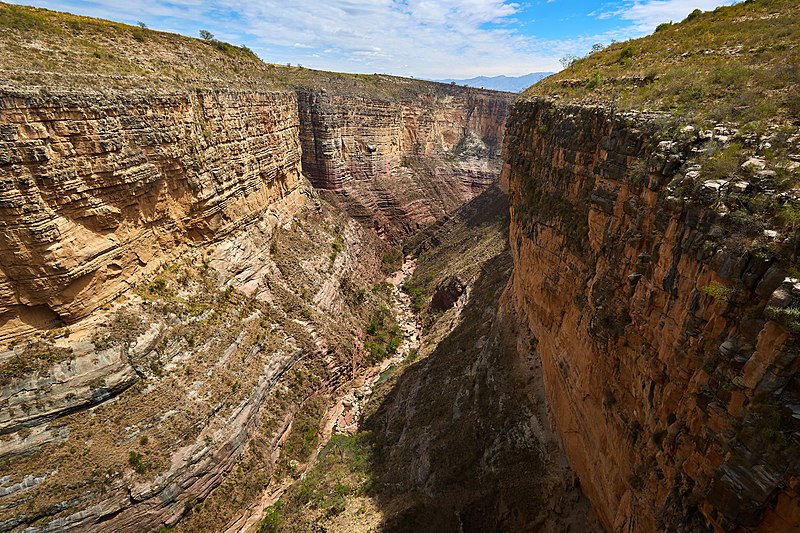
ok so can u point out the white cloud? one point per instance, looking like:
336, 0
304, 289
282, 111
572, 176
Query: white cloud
422, 38
645, 15
438, 37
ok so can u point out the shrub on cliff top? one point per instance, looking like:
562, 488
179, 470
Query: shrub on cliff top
718, 63
788, 317
718, 291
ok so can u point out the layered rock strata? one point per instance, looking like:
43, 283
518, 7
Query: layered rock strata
98, 189
215, 351
402, 162
196, 200
675, 401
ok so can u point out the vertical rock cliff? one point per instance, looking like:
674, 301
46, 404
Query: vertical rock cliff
674, 395
405, 160
98, 189
177, 301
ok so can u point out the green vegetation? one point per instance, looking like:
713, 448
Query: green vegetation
336, 247
787, 317
23, 19
136, 460
718, 291
724, 84
383, 336
596, 80
304, 437
273, 519
418, 294
735, 63
626, 52
663, 26
392, 261
343, 471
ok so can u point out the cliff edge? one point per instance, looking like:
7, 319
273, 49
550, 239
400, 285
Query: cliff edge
654, 187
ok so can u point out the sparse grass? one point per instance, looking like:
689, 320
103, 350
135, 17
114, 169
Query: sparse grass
305, 430
336, 246
787, 317
739, 62
34, 358
392, 260
194, 318
343, 470
97, 55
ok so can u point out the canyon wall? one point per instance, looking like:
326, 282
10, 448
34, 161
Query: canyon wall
675, 401
97, 189
166, 251
173, 289
403, 161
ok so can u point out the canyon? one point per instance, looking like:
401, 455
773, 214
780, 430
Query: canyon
200, 327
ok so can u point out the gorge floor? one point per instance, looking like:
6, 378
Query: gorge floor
444, 432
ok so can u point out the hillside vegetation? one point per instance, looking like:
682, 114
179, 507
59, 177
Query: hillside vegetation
40, 48
739, 63
719, 92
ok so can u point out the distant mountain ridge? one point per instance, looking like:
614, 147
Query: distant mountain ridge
513, 84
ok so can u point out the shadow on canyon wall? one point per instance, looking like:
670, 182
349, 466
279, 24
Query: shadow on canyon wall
462, 439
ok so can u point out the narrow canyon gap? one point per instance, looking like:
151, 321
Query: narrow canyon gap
197, 330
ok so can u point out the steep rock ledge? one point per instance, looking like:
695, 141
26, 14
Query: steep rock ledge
97, 190
207, 363
402, 162
677, 410
198, 201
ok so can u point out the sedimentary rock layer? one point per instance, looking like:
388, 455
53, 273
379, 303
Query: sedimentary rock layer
98, 193
403, 162
96, 189
676, 404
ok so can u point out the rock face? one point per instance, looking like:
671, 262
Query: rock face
463, 435
249, 288
675, 401
97, 190
403, 161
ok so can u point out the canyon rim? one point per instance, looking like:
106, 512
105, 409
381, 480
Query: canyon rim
239, 296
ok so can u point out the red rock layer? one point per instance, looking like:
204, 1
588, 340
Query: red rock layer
403, 163
677, 410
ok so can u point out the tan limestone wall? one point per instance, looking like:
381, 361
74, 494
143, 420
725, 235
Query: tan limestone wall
675, 408
97, 189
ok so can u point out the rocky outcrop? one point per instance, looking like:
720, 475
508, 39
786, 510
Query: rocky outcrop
166, 252
97, 190
200, 360
462, 434
401, 162
673, 394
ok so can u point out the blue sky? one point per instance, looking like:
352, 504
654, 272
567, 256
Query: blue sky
421, 38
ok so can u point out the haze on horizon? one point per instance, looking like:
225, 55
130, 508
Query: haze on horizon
420, 38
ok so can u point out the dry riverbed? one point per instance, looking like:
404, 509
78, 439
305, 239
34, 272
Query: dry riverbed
344, 415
